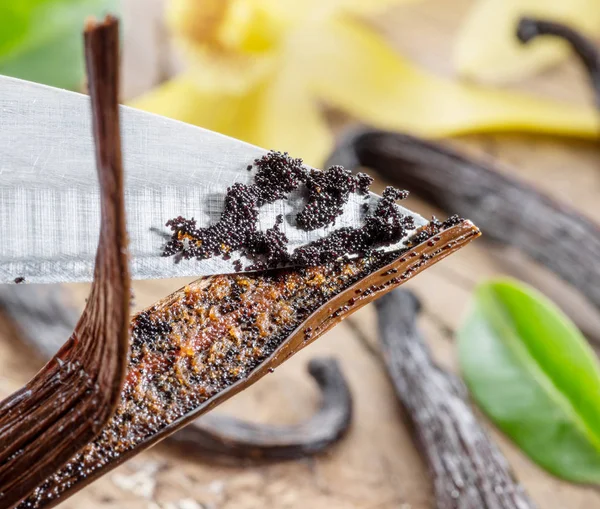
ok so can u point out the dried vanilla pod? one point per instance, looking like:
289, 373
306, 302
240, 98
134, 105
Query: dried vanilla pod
37, 308
204, 343
531, 28
219, 435
69, 401
468, 469
218, 335
551, 233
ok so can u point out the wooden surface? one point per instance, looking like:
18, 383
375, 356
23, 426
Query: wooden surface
376, 466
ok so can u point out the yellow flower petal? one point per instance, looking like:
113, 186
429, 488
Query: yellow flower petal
226, 71
276, 115
197, 20
353, 69
369, 7
181, 99
488, 50
281, 115
230, 45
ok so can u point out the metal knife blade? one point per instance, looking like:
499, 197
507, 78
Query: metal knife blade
49, 197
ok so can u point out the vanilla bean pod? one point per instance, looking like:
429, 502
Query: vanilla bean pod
469, 471
45, 308
507, 210
531, 28
225, 436
69, 401
210, 340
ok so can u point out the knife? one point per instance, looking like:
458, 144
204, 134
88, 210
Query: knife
49, 197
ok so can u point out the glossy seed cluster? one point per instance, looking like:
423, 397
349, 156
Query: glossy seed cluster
385, 226
328, 192
278, 175
237, 230
269, 249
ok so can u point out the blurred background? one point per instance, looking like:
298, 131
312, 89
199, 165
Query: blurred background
291, 75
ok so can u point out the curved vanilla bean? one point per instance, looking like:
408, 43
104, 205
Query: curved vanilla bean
507, 210
69, 401
531, 28
469, 471
44, 308
226, 436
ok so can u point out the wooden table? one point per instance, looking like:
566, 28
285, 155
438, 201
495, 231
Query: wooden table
377, 465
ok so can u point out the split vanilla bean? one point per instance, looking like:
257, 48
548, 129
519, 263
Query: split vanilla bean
468, 469
507, 210
208, 341
225, 436
531, 28
69, 401
45, 308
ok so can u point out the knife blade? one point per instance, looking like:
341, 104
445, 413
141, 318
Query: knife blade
49, 196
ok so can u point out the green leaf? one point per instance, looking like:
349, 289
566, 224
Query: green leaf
533, 373
41, 40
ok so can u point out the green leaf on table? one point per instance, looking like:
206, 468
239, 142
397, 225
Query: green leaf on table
533, 373
41, 40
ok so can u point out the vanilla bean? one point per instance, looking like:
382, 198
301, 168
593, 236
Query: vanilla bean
220, 435
210, 340
69, 401
45, 308
468, 469
531, 28
507, 210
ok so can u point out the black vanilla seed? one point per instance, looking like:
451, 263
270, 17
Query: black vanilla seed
237, 230
434, 227
327, 192
386, 226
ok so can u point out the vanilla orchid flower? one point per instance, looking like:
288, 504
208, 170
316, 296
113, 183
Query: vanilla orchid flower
261, 71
